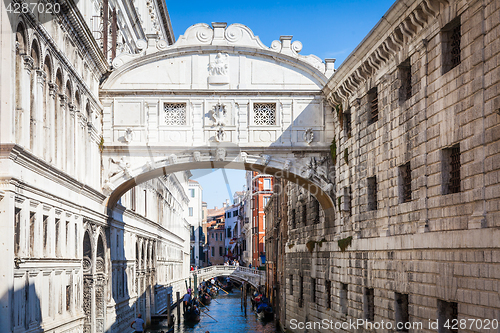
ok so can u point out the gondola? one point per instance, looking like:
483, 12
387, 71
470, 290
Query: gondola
205, 299
265, 312
192, 315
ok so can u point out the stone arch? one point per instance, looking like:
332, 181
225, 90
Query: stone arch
59, 80
48, 67
78, 100
21, 38
87, 252
68, 91
294, 171
35, 53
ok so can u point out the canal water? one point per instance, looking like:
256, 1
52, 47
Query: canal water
226, 309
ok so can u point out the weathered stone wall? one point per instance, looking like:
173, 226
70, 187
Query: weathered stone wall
439, 248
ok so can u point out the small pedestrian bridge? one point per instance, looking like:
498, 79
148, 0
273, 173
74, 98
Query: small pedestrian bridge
241, 274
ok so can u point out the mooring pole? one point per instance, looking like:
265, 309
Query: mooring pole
169, 309
178, 307
245, 297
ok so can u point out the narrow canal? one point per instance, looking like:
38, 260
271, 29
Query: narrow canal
231, 318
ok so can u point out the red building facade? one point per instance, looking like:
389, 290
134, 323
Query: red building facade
262, 189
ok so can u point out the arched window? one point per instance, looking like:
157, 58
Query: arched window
21, 50
100, 265
87, 253
48, 110
35, 54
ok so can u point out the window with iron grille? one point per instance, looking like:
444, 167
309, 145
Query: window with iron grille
292, 218
401, 310
264, 113
313, 290
175, 113
368, 304
304, 214
372, 193
328, 294
316, 209
447, 313
301, 290
405, 182
291, 284
373, 105
451, 170
405, 90
451, 36
347, 123
344, 288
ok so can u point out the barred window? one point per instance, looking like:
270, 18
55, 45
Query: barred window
328, 294
264, 113
405, 182
373, 105
451, 36
401, 310
347, 123
447, 313
455, 170
313, 290
369, 304
292, 219
372, 193
175, 113
451, 170
405, 91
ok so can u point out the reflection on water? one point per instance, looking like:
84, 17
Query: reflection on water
226, 309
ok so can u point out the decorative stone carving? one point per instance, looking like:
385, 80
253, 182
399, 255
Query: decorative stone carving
220, 135
172, 159
310, 168
218, 114
220, 154
242, 157
266, 159
287, 165
116, 167
308, 136
197, 156
28, 63
129, 135
219, 69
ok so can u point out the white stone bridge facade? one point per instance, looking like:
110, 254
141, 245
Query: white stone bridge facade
218, 98
241, 274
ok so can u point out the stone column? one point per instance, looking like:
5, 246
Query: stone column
51, 110
61, 132
26, 100
38, 142
70, 137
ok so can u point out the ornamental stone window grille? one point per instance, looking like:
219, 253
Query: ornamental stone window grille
175, 114
264, 114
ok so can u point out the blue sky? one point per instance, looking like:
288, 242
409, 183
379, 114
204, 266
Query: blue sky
328, 29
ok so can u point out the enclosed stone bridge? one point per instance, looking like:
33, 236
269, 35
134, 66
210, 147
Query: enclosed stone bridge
241, 274
218, 98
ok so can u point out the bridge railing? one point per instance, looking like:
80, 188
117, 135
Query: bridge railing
222, 268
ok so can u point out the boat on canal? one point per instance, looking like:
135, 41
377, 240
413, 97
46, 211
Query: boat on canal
205, 299
192, 315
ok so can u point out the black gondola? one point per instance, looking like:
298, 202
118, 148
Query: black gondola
192, 315
205, 299
265, 313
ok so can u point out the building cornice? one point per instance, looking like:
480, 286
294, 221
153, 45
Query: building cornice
402, 22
